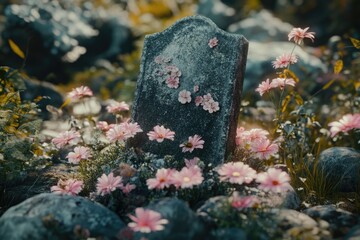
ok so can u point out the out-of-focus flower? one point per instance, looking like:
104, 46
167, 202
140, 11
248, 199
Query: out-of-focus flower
104, 126
264, 149
184, 96
172, 82
80, 153
80, 92
146, 221
192, 162
192, 143
244, 138
70, 187
236, 172
108, 183
66, 138
162, 180
264, 87
117, 107
345, 124
281, 82
299, 34
187, 177
160, 133
284, 60
241, 202
274, 180
213, 42
116, 133
127, 188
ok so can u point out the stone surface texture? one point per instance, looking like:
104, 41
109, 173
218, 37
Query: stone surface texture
51, 216
341, 165
183, 223
218, 71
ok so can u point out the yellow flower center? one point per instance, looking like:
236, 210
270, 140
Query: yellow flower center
186, 179
236, 174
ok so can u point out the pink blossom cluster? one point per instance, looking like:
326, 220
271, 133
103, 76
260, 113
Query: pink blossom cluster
208, 103
213, 42
66, 138
69, 186
345, 124
257, 142
187, 177
79, 93
123, 131
171, 72
146, 221
266, 86
117, 107
108, 183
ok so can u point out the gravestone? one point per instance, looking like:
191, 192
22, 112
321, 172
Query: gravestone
193, 55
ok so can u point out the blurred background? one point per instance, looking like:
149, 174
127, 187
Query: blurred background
98, 43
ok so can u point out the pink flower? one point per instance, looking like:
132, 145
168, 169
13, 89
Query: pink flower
80, 92
263, 149
211, 106
162, 180
192, 162
187, 177
213, 42
104, 126
192, 143
345, 124
239, 136
130, 129
236, 172
146, 221
281, 82
284, 60
240, 202
199, 100
299, 34
247, 137
264, 87
116, 133
173, 82
66, 138
184, 97
160, 133
79, 154
127, 188
196, 88
70, 187
274, 180
117, 107
108, 183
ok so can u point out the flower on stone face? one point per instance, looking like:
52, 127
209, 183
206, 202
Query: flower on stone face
184, 97
299, 34
172, 82
187, 177
196, 88
192, 143
116, 133
80, 153
263, 148
127, 188
66, 138
162, 180
281, 82
117, 107
108, 183
80, 92
274, 180
236, 172
160, 133
130, 129
264, 87
199, 100
241, 202
284, 60
213, 42
211, 106
70, 187
146, 221
345, 124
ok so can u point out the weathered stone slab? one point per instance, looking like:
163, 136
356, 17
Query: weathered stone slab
193, 53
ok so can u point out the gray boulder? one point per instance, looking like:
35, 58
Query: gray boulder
341, 167
52, 216
183, 223
340, 221
262, 26
353, 234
